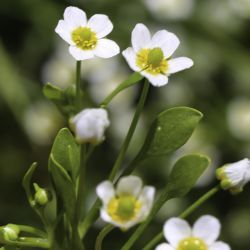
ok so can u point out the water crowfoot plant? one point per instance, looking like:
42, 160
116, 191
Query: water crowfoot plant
121, 199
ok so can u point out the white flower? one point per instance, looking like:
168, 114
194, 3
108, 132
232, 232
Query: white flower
234, 176
202, 236
89, 125
86, 38
152, 56
128, 205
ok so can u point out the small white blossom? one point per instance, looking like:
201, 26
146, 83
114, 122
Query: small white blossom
89, 125
86, 37
234, 176
152, 56
128, 204
202, 236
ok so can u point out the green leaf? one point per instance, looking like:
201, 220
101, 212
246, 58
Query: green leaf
66, 152
185, 174
63, 185
53, 93
171, 129
27, 182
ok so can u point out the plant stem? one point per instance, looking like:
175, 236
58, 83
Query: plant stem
93, 213
29, 242
78, 86
185, 214
107, 229
32, 230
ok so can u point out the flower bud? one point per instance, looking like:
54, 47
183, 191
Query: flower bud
89, 125
42, 196
9, 232
234, 176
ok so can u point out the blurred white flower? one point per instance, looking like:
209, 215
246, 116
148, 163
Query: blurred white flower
89, 125
202, 236
41, 122
234, 176
238, 118
86, 38
241, 7
152, 56
170, 9
128, 205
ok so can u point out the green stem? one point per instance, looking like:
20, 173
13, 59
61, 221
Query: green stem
106, 230
32, 230
134, 78
29, 242
185, 214
78, 86
93, 213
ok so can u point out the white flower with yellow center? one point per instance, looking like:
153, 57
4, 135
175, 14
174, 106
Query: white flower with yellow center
128, 205
86, 38
202, 236
89, 125
152, 56
234, 176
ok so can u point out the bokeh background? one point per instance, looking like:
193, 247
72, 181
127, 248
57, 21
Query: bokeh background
215, 34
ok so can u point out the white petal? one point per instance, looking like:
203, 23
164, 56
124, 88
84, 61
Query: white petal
207, 227
156, 80
130, 56
64, 31
175, 230
167, 41
105, 191
106, 48
164, 246
75, 17
147, 197
140, 37
100, 24
219, 245
129, 185
179, 64
80, 54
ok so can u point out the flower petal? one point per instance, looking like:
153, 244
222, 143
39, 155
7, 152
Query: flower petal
100, 24
164, 246
156, 80
80, 54
64, 31
106, 48
130, 56
219, 245
105, 191
75, 17
129, 185
147, 197
175, 230
140, 37
179, 64
167, 41
207, 227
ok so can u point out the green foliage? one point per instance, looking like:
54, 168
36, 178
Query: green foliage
66, 152
185, 174
171, 129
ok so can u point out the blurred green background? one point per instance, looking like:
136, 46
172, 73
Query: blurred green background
215, 34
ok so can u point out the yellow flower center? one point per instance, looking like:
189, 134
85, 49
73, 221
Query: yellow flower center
152, 61
192, 243
84, 38
123, 208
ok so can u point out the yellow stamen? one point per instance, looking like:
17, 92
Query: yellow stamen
192, 243
84, 38
152, 61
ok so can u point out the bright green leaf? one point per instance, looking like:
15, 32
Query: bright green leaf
63, 185
52, 92
171, 129
67, 152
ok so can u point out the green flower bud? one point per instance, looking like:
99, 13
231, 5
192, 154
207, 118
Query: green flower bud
42, 196
9, 232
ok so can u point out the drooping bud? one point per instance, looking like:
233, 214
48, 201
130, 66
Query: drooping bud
234, 176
